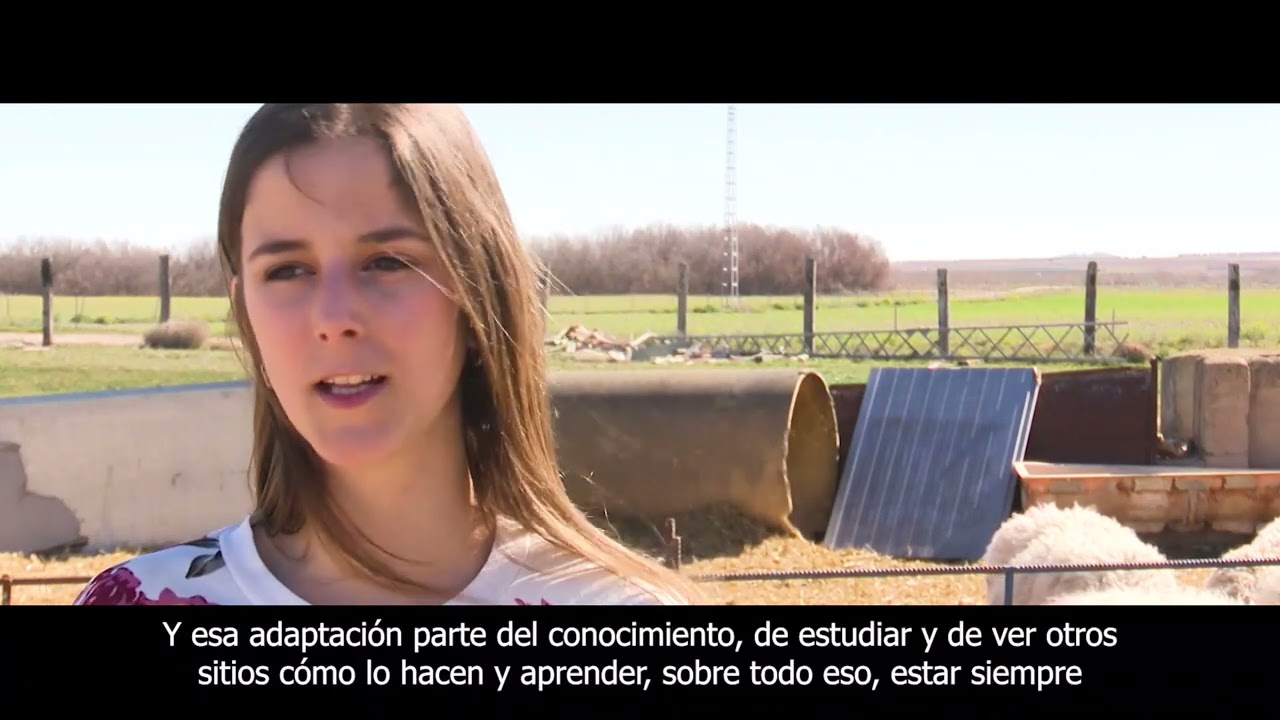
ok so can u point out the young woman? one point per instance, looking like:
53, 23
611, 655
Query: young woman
402, 440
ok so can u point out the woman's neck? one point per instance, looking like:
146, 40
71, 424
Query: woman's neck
417, 510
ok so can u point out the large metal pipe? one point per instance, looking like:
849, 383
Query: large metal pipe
654, 443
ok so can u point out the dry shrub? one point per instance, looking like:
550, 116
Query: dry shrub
177, 335
1133, 352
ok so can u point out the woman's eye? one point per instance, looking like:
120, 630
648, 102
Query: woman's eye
284, 272
387, 263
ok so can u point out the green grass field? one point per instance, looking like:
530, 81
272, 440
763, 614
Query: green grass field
87, 368
1164, 321
1182, 317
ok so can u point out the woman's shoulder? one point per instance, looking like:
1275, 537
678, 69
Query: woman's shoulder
186, 573
542, 573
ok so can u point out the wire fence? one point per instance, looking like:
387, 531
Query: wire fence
1009, 571
672, 545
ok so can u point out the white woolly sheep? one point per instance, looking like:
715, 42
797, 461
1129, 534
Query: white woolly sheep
1016, 534
1086, 542
1243, 582
1182, 595
1013, 534
1266, 588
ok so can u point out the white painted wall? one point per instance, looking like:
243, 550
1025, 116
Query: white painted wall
135, 467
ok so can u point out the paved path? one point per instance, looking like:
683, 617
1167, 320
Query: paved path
35, 340
13, 339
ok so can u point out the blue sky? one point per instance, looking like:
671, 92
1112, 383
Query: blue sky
928, 181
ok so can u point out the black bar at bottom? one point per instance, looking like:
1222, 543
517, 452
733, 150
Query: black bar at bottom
926, 658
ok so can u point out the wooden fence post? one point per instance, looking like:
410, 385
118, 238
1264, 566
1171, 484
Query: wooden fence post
1090, 308
682, 300
1233, 305
810, 301
164, 288
944, 316
46, 281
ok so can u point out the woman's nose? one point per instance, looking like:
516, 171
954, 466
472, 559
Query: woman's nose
337, 307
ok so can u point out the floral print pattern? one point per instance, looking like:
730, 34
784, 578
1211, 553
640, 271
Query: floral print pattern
119, 586
205, 564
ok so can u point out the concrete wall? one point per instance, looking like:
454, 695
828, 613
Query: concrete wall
130, 468
1227, 402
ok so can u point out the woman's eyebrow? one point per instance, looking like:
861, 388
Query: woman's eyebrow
382, 235
276, 247
388, 234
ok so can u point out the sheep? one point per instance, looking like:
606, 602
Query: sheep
1266, 589
1016, 533
1182, 595
1243, 582
1087, 541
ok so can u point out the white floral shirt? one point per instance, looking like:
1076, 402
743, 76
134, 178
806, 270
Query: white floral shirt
224, 568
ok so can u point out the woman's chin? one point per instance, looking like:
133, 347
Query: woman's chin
350, 448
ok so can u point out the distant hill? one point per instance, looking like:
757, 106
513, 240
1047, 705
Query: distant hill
1207, 270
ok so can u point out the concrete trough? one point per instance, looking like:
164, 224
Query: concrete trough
1158, 499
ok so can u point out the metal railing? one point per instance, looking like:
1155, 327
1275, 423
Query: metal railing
673, 544
1095, 342
1009, 572
7, 584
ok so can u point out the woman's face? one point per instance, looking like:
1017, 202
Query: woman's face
362, 350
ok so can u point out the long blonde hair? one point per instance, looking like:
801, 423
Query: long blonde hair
442, 170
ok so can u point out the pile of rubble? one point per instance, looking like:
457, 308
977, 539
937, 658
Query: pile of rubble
585, 344
699, 352
588, 345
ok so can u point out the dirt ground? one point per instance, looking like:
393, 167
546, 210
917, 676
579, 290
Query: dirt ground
717, 542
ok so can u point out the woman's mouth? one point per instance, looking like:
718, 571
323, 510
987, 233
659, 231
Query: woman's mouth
350, 390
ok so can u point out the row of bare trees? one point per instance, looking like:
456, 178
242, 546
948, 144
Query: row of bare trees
89, 268
771, 260
644, 260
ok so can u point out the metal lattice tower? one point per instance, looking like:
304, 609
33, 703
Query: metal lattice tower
730, 285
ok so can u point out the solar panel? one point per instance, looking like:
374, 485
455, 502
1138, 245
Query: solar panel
930, 465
